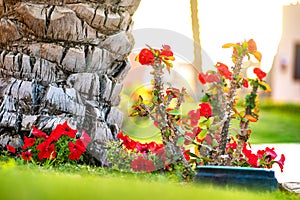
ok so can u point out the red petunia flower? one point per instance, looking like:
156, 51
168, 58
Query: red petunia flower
27, 155
28, 142
223, 70
205, 110
127, 141
76, 150
46, 150
146, 57
142, 165
271, 152
259, 73
65, 129
281, 162
10, 148
38, 133
252, 158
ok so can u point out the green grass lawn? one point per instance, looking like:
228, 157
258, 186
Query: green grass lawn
278, 123
27, 182
276, 126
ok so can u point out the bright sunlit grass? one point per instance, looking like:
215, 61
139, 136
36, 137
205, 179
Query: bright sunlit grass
22, 183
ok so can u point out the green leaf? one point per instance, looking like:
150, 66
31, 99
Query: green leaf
209, 122
202, 134
192, 154
168, 133
174, 112
205, 98
180, 141
239, 49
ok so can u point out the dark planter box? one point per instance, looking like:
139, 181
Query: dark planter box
250, 178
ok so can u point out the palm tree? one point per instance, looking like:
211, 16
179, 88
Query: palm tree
196, 35
63, 60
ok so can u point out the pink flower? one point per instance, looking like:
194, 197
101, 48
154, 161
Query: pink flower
194, 117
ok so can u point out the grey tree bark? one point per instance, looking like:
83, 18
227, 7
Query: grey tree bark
63, 60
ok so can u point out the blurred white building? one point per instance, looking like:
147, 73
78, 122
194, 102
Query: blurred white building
285, 74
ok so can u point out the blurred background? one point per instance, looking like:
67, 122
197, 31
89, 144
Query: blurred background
199, 27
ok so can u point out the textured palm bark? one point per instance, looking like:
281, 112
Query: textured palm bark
63, 60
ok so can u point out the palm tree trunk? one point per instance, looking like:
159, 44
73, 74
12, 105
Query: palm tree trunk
196, 35
64, 60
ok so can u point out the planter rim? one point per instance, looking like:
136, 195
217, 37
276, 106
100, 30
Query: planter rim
232, 168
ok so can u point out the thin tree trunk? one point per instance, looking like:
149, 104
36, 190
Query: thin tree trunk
196, 35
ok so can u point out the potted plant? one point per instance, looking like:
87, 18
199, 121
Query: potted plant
222, 157
203, 137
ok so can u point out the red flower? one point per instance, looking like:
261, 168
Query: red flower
205, 110
46, 150
208, 78
194, 116
28, 142
154, 147
38, 133
174, 91
142, 165
65, 129
189, 137
271, 152
166, 52
127, 142
223, 70
259, 73
281, 162
252, 158
202, 77
245, 83
27, 155
185, 153
76, 150
10, 148
146, 57
143, 148
232, 144
85, 138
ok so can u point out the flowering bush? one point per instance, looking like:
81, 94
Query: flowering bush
206, 131
209, 125
59, 147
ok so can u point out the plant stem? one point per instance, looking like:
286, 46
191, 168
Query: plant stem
243, 135
229, 104
168, 131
